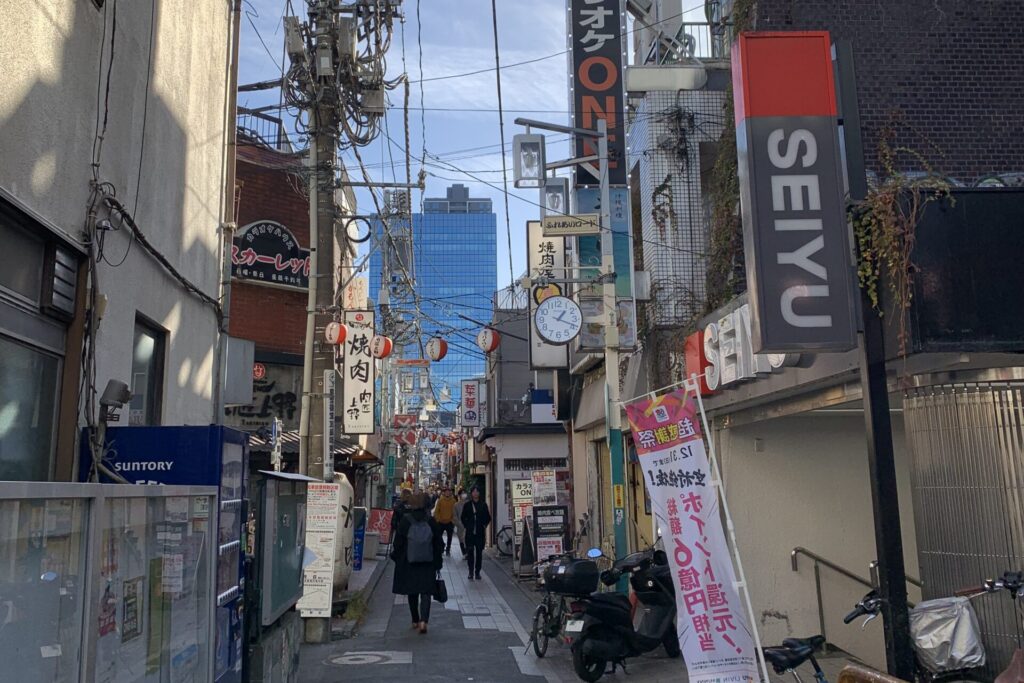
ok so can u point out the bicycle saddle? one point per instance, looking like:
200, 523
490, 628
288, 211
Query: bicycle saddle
813, 642
783, 658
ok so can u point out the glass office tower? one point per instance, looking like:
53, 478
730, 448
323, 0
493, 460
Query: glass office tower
454, 257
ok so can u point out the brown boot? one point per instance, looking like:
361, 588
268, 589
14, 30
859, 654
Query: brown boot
423, 627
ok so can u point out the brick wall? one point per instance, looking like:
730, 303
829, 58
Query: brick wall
954, 69
273, 317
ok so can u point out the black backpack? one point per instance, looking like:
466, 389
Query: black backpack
420, 549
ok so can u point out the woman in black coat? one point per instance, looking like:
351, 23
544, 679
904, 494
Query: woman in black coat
416, 580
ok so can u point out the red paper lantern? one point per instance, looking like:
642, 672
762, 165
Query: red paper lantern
335, 333
437, 348
488, 340
381, 346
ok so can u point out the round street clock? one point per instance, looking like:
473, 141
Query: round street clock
558, 320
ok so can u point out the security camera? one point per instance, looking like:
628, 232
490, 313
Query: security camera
115, 394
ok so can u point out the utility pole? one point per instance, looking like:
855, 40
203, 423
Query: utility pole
613, 415
609, 315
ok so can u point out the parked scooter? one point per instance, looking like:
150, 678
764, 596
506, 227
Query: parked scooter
610, 630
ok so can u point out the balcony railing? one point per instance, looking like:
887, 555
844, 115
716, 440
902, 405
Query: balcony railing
694, 41
263, 129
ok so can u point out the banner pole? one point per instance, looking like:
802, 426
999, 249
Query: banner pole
694, 385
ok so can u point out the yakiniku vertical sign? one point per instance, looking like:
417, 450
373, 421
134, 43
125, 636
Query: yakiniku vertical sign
470, 403
358, 385
711, 620
546, 261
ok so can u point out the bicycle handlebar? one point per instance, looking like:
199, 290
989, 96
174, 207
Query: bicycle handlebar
858, 611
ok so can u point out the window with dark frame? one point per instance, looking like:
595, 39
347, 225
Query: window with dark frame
147, 384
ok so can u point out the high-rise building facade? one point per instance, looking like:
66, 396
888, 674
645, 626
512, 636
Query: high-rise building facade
454, 269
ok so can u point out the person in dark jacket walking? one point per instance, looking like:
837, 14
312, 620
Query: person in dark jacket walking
416, 578
475, 518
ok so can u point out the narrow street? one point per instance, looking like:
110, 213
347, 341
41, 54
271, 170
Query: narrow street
481, 634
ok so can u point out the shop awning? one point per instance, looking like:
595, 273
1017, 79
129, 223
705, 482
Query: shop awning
345, 446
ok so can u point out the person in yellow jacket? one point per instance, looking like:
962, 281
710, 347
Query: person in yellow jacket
444, 515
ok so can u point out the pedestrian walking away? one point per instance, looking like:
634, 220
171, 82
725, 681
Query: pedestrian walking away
418, 558
475, 517
460, 528
444, 515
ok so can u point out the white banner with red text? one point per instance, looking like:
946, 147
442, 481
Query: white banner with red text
714, 630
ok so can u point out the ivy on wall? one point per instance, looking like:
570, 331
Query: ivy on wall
725, 273
885, 225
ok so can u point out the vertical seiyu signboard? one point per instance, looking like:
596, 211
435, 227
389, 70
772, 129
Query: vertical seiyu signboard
545, 260
470, 403
595, 31
712, 623
795, 235
358, 385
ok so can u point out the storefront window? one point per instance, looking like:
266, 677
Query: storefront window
29, 386
147, 374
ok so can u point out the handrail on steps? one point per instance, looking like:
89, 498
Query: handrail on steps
819, 561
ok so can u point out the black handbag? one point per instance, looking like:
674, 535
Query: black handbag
440, 589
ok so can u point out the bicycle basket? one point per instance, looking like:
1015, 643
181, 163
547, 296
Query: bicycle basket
946, 635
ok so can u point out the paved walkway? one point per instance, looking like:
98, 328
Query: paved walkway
479, 635
476, 636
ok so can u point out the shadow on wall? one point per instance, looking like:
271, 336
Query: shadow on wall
100, 73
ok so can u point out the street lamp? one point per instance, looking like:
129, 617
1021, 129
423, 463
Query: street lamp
528, 160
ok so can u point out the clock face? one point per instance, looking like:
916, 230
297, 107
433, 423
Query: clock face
558, 320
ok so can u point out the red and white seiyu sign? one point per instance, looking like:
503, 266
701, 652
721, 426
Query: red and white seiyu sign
714, 632
795, 234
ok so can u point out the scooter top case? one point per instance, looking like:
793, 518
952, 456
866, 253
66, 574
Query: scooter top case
610, 608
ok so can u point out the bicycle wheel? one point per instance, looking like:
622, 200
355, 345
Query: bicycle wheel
504, 541
539, 635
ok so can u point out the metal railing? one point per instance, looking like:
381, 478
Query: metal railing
263, 129
820, 561
692, 42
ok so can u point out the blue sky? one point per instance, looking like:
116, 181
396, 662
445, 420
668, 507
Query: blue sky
456, 38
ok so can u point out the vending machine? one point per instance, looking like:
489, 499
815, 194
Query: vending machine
210, 456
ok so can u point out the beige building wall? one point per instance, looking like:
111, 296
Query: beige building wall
49, 108
803, 481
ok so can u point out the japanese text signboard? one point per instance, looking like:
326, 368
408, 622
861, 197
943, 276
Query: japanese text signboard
546, 262
470, 406
714, 630
596, 31
358, 386
795, 235
267, 252
321, 537
330, 382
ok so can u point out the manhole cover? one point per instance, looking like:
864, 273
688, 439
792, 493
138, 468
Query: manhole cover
357, 658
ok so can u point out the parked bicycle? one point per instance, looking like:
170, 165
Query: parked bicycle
565, 577
943, 664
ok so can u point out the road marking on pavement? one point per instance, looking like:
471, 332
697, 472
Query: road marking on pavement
381, 657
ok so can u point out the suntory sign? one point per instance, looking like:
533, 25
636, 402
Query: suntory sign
791, 192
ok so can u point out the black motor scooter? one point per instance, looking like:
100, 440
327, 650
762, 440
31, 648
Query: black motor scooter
611, 631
